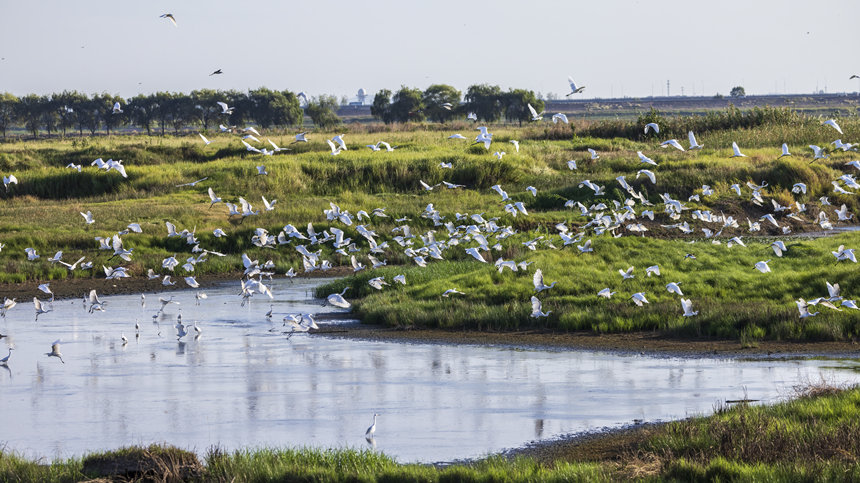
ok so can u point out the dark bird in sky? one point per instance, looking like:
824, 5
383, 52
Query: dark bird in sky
216, 72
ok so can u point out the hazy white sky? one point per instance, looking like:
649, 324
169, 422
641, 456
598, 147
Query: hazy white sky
614, 48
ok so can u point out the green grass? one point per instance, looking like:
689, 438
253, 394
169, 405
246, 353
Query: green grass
42, 212
810, 438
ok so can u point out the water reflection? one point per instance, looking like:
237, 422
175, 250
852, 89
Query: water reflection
241, 384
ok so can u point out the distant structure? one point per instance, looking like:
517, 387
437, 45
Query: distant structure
362, 95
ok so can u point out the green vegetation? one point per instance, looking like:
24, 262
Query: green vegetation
811, 438
734, 300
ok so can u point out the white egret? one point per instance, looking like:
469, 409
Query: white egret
693, 143
451, 291
377, 282
574, 89
456, 136
5, 361
40, 309
571, 165
843, 253
653, 269
535, 115
645, 159
372, 428
516, 143
784, 151
88, 217
818, 152
206, 141
537, 281
559, 117
648, 173
688, 308
401, 279
606, 293
803, 308
639, 298
300, 138
117, 109
337, 299
737, 151
225, 109
536, 309
191, 282
652, 125
762, 266
261, 171
673, 287
593, 153
192, 183
7, 180
55, 351
832, 123
672, 142
476, 254
626, 274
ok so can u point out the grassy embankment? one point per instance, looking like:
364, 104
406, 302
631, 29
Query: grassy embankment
811, 438
733, 299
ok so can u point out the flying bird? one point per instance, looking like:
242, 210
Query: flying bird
216, 72
574, 89
832, 123
170, 17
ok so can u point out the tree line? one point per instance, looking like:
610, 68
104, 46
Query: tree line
441, 103
162, 111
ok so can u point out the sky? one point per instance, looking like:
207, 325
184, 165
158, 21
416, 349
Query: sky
614, 48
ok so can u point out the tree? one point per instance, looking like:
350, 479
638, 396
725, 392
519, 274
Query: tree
485, 101
162, 109
103, 108
205, 108
435, 96
181, 112
142, 111
48, 115
406, 105
8, 111
29, 111
381, 107
516, 105
64, 106
85, 115
274, 108
737, 91
323, 111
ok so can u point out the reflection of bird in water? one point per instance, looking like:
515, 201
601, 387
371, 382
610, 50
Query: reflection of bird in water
372, 428
55, 351
371, 441
180, 330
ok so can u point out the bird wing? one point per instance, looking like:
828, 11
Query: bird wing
532, 109
223, 105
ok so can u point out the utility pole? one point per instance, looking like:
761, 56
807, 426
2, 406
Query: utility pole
667, 88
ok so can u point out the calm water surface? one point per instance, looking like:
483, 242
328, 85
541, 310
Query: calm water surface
243, 383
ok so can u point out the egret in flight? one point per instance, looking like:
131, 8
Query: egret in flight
55, 351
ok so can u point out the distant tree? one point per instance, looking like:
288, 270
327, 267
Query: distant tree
64, 106
142, 111
737, 91
270, 108
162, 108
407, 105
48, 114
381, 107
205, 108
344, 100
290, 111
8, 111
86, 116
103, 104
516, 105
323, 111
29, 112
241, 105
485, 101
435, 96
182, 112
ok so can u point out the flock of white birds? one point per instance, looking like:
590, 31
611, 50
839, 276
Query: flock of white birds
476, 235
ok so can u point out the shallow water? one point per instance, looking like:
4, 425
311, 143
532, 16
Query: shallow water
241, 385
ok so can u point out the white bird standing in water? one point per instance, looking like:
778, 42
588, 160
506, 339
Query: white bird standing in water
372, 428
